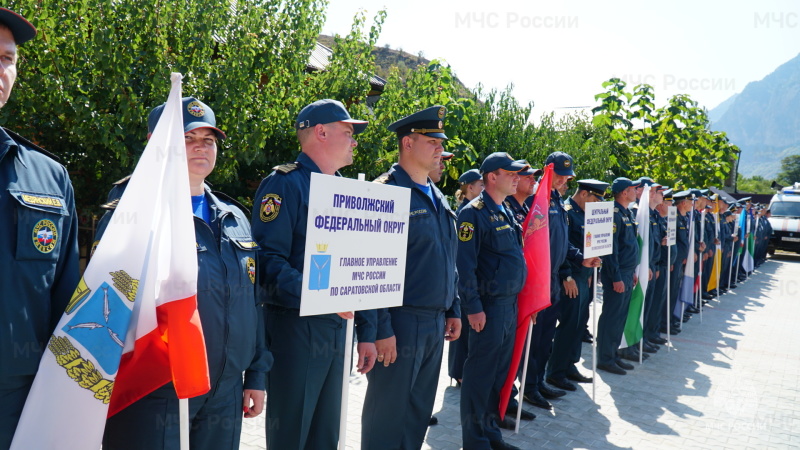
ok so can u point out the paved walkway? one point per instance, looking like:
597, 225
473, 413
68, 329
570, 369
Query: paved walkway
732, 381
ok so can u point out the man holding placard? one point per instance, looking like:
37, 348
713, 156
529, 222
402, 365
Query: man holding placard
618, 277
561, 367
410, 338
304, 388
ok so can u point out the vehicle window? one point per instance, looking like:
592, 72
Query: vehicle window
785, 209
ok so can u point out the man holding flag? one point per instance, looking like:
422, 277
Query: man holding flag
618, 279
131, 325
491, 271
38, 244
561, 250
233, 325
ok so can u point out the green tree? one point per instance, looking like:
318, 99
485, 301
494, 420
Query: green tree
790, 170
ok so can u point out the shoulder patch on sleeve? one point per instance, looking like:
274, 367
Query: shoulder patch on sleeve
465, 231
270, 207
285, 168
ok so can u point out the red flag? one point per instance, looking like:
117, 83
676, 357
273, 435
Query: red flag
535, 294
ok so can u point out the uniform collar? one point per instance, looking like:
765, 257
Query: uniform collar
6, 143
575, 206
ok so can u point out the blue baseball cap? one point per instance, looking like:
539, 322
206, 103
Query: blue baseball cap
196, 114
469, 176
427, 122
327, 111
501, 160
622, 183
22, 30
562, 163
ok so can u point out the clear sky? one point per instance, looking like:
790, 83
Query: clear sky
557, 53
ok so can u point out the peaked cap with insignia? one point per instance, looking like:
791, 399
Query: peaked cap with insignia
427, 122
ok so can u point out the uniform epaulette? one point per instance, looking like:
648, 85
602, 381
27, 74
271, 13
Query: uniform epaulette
568, 207
285, 168
112, 205
30, 144
233, 201
122, 181
382, 178
478, 204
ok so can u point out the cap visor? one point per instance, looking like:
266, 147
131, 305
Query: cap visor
358, 125
198, 125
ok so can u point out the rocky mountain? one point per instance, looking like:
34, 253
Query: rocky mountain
764, 120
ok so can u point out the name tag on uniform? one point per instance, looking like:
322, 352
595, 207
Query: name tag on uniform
504, 227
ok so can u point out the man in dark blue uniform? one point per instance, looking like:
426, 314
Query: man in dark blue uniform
410, 338
576, 294
304, 388
683, 203
233, 326
38, 244
471, 187
618, 279
492, 272
518, 203
561, 249
658, 316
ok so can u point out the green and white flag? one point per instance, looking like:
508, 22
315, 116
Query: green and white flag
633, 324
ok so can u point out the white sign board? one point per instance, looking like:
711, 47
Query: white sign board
598, 229
355, 246
672, 225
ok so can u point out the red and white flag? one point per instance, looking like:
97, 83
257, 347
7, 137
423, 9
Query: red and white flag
132, 324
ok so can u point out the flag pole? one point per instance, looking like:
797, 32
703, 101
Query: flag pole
669, 279
524, 374
700, 271
348, 360
183, 410
594, 336
641, 325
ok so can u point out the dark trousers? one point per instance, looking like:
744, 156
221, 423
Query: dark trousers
484, 374
656, 315
675, 288
569, 332
399, 399
541, 345
304, 386
612, 320
13, 393
215, 420
457, 353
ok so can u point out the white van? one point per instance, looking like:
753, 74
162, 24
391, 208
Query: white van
785, 220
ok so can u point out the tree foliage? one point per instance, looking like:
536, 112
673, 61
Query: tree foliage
790, 170
672, 144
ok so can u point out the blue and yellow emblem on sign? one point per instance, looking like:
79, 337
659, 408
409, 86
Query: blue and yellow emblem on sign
45, 236
319, 277
101, 326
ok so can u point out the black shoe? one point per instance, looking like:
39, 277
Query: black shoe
507, 424
611, 368
525, 415
624, 365
693, 310
548, 392
433, 421
733, 286
577, 377
649, 348
562, 383
502, 445
631, 355
587, 337
686, 318
675, 330
536, 399
657, 340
